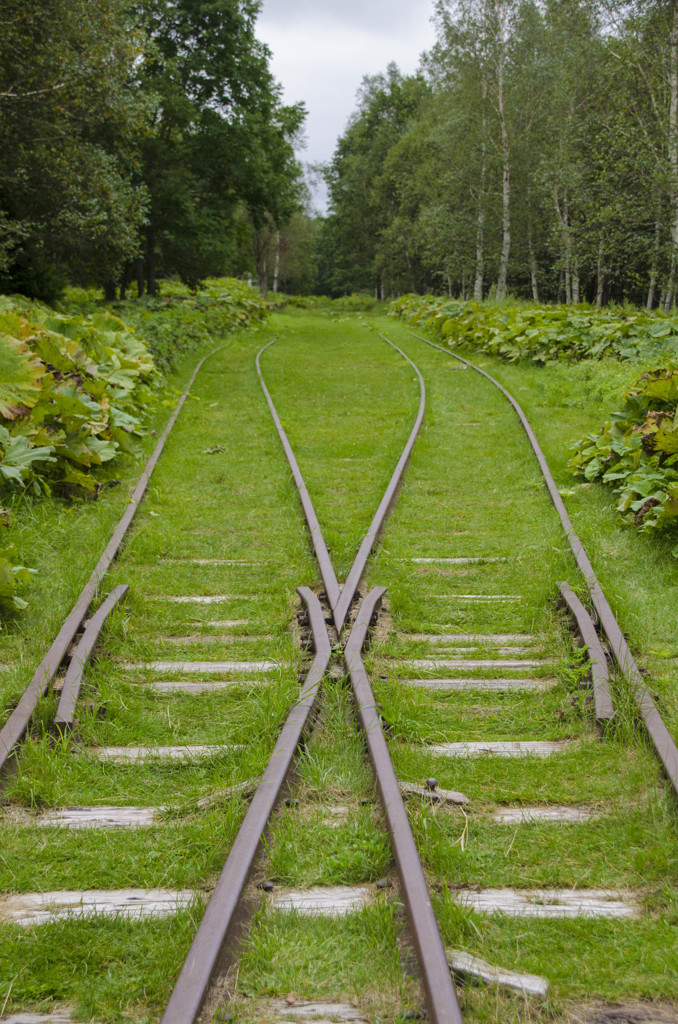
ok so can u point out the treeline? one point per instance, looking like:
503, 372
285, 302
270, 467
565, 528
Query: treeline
536, 152
138, 139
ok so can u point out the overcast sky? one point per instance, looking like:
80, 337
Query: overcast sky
322, 48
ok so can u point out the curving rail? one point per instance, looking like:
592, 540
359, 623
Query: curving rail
201, 964
189, 992
340, 599
664, 744
16, 725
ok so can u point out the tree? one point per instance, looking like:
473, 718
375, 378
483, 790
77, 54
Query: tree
219, 137
69, 126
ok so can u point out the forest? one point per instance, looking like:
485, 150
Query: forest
138, 141
535, 153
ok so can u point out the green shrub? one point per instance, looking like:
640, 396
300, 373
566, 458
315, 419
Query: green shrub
637, 453
543, 334
73, 395
176, 324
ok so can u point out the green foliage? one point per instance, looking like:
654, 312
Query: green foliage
74, 396
70, 200
176, 324
636, 453
11, 575
544, 334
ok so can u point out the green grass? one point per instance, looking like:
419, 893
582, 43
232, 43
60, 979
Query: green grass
472, 489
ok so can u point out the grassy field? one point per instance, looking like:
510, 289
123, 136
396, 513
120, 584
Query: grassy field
223, 492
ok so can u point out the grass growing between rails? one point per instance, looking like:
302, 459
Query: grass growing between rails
221, 518
474, 491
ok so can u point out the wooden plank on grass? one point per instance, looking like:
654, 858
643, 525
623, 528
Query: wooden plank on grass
98, 817
528, 815
500, 748
484, 684
131, 755
34, 908
334, 901
202, 667
473, 967
549, 903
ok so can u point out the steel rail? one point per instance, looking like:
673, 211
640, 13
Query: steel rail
663, 742
65, 713
341, 598
193, 982
16, 725
440, 992
355, 575
600, 675
438, 984
327, 572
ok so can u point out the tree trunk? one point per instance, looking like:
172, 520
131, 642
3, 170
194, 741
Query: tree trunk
262, 273
600, 274
480, 233
506, 158
109, 291
562, 212
533, 266
140, 276
673, 133
150, 262
576, 287
561, 287
276, 268
654, 270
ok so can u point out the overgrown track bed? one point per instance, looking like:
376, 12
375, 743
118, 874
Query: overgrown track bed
471, 660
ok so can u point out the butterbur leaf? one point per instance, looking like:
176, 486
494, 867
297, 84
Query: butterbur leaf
10, 575
20, 374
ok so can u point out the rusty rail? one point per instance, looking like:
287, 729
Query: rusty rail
340, 599
65, 713
438, 985
193, 982
355, 575
600, 675
16, 725
327, 572
663, 742
440, 993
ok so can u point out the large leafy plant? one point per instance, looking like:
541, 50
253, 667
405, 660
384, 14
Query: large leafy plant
73, 395
543, 334
636, 453
11, 576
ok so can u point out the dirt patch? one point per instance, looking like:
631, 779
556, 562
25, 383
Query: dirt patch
625, 1013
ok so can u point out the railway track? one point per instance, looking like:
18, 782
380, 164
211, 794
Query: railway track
468, 662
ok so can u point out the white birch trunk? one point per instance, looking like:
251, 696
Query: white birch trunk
505, 155
576, 288
276, 266
600, 275
480, 237
533, 268
673, 127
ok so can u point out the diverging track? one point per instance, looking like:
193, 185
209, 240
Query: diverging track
468, 686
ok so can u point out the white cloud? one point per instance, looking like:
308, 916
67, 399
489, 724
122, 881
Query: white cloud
322, 49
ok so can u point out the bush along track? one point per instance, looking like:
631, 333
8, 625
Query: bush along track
544, 334
479, 684
78, 391
72, 395
636, 453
